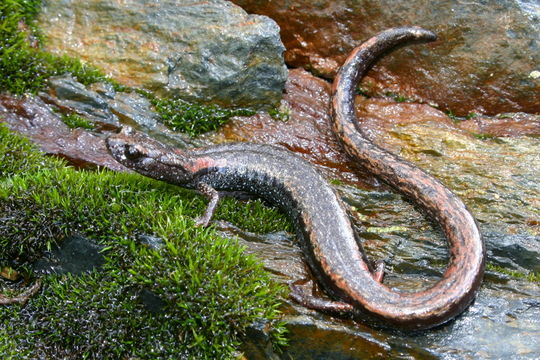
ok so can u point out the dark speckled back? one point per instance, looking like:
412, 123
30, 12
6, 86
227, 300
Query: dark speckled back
284, 179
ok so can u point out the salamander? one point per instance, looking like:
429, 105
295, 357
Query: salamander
323, 227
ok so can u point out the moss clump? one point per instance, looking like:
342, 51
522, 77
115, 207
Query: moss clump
103, 316
210, 289
23, 65
398, 97
192, 119
531, 276
337, 182
18, 156
281, 113
74, 121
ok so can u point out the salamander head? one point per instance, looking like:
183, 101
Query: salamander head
149, 157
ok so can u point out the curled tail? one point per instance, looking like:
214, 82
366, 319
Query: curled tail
463, 276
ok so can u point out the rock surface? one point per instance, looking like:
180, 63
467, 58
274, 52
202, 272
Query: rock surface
34, 119
486, 59
103, 106
209, 51
75, 255
487, 161
308, 130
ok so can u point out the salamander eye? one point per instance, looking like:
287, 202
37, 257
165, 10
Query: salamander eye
133, 152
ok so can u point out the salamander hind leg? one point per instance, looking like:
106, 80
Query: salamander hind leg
213, 196
376, 267
316, 303
378, 271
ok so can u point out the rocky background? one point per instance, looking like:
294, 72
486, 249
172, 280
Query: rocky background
415, 102
209, 51
486, 59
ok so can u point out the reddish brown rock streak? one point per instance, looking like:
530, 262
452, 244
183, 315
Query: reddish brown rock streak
462, 278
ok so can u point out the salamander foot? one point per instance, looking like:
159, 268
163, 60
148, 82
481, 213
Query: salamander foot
213, 196
378, 271
316, 303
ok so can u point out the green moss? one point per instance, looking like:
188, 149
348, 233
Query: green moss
250, 213
210, 289
9, 325
453, 116
18, 156
337, 182
530, 276
76, 121
457, 119
207, 284
23, 65
192, 119
398, 97
363, 91
281, 113
104, 316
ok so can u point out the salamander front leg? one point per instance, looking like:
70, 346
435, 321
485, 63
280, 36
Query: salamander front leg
213, 197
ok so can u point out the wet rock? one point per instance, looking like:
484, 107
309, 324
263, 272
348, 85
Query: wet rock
485, 60
308, 131
317, 338
494, 175
153, 242
133, 109
110, 110
75, 255
40, 120
277, 251
151, 301
257, 343
34, 119
209, 51
103, 106
508, 124
70, 95
499, 325
520, 252
497, 179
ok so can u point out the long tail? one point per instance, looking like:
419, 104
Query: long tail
463, 276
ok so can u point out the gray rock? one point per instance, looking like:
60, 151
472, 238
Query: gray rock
133, 108
103, 105
75, 255
210, 51
520, 252
67, 93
